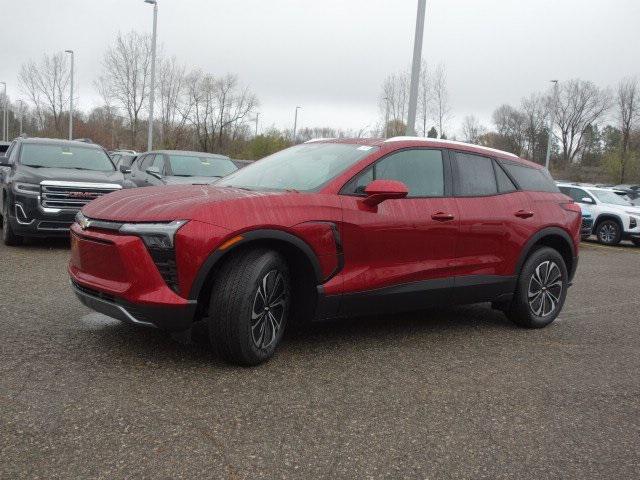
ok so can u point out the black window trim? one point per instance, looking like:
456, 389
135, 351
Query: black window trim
446, 171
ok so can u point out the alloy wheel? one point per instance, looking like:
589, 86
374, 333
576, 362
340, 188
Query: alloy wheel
545, 289
608, 232
268, 309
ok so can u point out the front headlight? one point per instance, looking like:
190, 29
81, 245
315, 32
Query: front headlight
26, 188
154, 235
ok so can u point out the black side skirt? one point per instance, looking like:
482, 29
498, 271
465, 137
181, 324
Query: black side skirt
417, 296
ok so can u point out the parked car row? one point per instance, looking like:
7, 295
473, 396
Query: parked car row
612, 216
45, 182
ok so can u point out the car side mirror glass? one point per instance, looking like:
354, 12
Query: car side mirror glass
586, 200
380, 190
155, 171
124, 169
4, 161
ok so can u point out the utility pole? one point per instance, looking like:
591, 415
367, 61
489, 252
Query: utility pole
295, 125
21, 114
153, 72
4, 112
71, 98
415, 67
386, 117
552, 119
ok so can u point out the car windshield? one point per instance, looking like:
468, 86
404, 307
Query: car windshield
204, 166
65, 156
607, 196
303, 168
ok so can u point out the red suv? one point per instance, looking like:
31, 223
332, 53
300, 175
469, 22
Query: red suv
328, 229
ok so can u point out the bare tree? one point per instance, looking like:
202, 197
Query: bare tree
580, 104
171, 93
510, 128
394, 102
472, 130
125, 79
441, 109
424, 98
535, 109
234, 107
627, 106
46, 86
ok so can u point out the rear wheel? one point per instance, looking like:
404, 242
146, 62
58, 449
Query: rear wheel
609, 232
8, 236
541, 289
249, 306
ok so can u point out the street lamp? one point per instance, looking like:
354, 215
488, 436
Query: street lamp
71, 98
552, 119
295, 124
21, 114
153, 72
4, 113
257, 120
415, 67
386, 117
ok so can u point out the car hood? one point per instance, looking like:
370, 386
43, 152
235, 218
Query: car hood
37, 175
171, 180
623, 208
167, 203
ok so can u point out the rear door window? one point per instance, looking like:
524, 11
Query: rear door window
475, 175
529, 178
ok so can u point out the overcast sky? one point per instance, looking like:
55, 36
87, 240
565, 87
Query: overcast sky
331, 56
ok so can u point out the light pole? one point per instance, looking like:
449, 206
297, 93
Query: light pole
4, 112
415, 67
295, 124
257, 119
21, 114
386, 117
71, 98
153, 72
552, 119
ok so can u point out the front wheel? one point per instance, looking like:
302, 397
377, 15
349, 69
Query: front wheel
249, 306
609, 232
541, 289
9, 238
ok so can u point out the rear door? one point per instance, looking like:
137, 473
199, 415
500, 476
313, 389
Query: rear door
495, 220
402, 248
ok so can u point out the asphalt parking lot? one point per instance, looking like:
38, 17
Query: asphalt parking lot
455, 393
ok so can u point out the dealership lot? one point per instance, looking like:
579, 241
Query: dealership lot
457, 393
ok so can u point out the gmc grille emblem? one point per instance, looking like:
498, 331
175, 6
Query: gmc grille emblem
80, 194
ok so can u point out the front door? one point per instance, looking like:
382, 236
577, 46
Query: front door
399, 254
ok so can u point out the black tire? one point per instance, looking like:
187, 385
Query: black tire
609, 232
539, 311
235, 326
9, 238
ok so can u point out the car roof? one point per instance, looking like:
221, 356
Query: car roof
58, 141
586, 186
405, 141
188, 153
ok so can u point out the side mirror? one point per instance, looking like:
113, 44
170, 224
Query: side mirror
124, 169
4, 161
154, 171
586, 200
380, 190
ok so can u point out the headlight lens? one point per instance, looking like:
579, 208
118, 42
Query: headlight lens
28, 188
154, 235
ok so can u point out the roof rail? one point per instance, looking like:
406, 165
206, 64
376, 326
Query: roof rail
314, 140
450, 142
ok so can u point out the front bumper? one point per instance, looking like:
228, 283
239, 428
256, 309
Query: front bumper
586, 227
173, 319
115, 275
29, 218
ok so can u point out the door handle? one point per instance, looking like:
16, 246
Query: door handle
524, 214
442, 217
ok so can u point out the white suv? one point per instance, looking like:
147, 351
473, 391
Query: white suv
614, 218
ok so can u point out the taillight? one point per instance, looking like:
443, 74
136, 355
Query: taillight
571, 207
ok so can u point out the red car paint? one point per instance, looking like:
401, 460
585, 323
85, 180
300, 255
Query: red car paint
358, 247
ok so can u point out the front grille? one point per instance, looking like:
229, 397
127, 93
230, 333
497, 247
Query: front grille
165, 260
72, 195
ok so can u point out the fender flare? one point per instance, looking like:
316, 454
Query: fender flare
608, 216
540, 234
249, 237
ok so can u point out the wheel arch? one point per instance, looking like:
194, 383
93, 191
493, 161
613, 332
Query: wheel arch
300, 257
608, 216
553, 237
